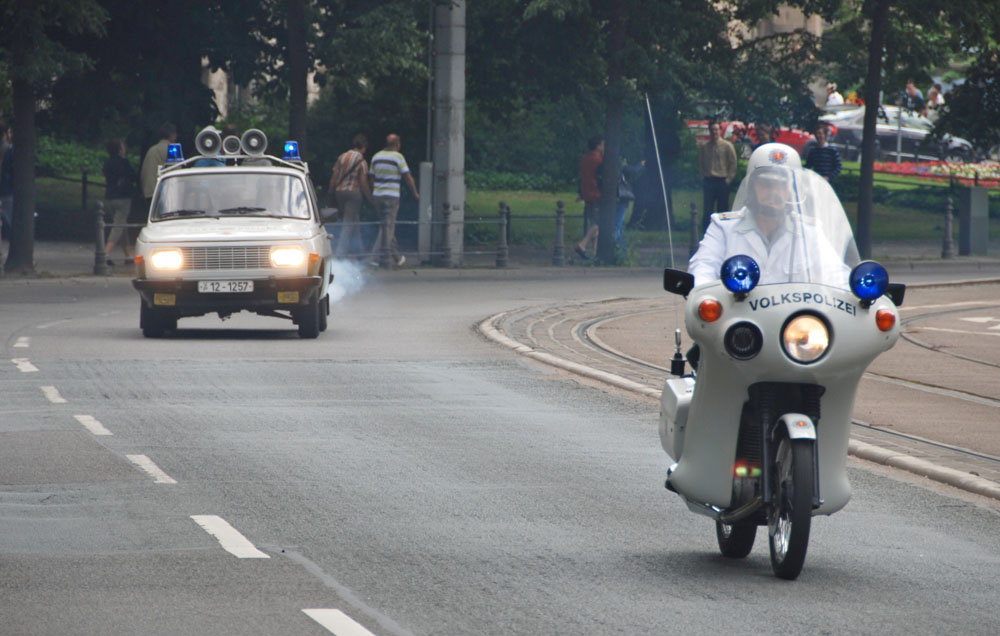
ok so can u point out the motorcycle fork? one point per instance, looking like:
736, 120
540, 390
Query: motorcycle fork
768, 401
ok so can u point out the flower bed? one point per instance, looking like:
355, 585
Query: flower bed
985, 173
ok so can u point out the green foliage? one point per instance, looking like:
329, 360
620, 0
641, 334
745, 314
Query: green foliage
489, 180
972, 109
38, 39
67, 158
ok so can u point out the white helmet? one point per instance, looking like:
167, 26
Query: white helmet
777, 158
774, 163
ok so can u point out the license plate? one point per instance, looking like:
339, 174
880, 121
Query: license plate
225, 286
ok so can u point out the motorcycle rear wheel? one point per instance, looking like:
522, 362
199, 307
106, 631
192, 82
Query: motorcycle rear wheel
736, 540
790, 512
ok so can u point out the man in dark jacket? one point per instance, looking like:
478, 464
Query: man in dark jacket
120, 190
823, 159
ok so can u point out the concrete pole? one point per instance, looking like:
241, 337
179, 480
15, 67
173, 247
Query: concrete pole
449, 125
425, 211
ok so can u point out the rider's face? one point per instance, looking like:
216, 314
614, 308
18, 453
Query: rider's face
772, 194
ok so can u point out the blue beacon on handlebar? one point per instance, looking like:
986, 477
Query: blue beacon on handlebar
869, 280
740, 274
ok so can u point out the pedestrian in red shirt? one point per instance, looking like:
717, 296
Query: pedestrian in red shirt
590, 192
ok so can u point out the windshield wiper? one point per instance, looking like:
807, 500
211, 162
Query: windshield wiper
171, 213
241, 210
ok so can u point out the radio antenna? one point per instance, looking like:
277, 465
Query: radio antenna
663, 184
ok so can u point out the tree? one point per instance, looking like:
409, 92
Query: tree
972, 109
905, 38
32, 46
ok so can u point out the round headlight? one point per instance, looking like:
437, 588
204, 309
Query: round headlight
743, 340
740, 273
287, 256
869, 280
805, 338
166, 259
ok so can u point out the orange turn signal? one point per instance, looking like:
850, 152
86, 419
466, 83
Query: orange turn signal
885, 319
710, 310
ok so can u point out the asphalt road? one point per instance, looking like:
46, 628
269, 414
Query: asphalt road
406, 472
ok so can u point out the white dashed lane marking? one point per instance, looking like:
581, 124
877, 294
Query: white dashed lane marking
91, 424
337, 622
231, 540
24, 365
145, 463
52, 394
22, 343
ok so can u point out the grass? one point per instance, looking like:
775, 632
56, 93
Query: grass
58, 203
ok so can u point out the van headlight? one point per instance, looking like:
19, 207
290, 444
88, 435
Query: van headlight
287, 256
171, 259
805, 338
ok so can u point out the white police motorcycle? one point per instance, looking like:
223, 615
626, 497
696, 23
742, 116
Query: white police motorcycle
758, 435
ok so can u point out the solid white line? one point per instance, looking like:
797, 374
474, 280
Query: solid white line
53, 323
231, 540
959, 304
91, 424
337, 622
145, 463
52, 394
23, 365
22, 343
974, 333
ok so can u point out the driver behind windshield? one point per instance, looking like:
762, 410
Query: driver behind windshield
778, 222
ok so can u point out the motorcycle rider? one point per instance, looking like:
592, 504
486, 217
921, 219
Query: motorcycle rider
778, 220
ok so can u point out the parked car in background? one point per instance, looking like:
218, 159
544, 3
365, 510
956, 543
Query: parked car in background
910, 130
744, 136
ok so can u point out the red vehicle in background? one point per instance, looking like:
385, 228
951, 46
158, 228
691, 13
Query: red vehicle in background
744, 136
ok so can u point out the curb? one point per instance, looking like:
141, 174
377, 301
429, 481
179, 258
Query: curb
861, 450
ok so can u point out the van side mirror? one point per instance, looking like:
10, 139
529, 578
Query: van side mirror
677, 282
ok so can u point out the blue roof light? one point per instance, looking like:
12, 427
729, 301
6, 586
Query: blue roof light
292, 151
740, 274
175, 153
869, 280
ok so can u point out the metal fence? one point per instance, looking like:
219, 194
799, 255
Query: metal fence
444, 255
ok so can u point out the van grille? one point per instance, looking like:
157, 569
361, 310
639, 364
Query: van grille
224, 257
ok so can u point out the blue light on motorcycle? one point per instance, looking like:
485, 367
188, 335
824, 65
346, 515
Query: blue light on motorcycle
740, 274
869, 280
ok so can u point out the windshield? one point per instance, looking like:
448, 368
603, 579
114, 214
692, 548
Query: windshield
231, 194
790, 221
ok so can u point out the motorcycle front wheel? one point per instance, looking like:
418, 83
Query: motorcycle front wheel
736, 540
790, 511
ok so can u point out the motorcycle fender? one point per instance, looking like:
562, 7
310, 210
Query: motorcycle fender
799, 426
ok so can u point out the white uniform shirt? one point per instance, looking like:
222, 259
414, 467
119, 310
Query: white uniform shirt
782, 260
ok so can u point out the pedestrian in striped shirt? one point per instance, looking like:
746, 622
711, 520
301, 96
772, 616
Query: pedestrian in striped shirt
388, 169
823, 159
